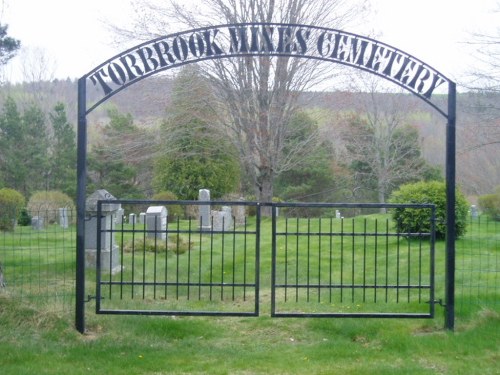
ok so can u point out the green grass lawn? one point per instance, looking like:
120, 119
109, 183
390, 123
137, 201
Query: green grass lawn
40, 338
45, 342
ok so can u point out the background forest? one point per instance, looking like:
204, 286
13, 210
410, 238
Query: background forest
160, 135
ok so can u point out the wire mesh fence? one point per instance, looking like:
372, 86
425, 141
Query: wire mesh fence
37, 259
37, 263
478, 265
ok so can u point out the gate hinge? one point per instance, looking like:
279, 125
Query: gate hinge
91, 297
438, 302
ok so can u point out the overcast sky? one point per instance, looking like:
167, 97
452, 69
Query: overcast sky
72, 36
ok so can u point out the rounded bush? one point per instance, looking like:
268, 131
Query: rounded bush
490, 204
416, 220
46, 204
11, 203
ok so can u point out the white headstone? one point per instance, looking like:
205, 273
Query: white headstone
156, 222
204, 196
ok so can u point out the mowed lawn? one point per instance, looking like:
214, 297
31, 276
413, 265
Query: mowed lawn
37, 338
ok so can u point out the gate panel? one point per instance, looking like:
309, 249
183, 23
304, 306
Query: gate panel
327, 265
181, 265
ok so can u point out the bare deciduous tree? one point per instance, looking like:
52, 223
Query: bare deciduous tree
256, 95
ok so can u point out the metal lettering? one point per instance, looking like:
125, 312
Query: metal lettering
238, 40
146, 56
268, 39
197, 45
117, 74
130, 62
163, 51
212, 47
97, 78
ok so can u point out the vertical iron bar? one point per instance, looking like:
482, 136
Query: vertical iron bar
410, 239
286, 259
331, 259
297, 262
341, 260
245, 249
386, 260
273, 260
98, 263
308, 256
211, 256
257, 260
364, 262
432, 260
398, 253
234, 257
81, 173
155, 256
352, 262
189, 255
199, 258
319, 262
133, 261
450, 208
143, 261
222, 260
375, 262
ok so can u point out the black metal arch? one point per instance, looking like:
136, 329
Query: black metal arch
269, 39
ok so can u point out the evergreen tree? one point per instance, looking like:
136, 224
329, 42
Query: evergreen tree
200, 156
63, 153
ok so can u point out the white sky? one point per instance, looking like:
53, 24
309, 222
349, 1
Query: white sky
72, 36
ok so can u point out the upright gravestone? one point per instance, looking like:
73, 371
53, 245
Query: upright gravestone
239, 213
474, 212
204, 196
142, 218
222, 220
109, 249
132, 219
119, 216
63, 217
37, 222
156, 222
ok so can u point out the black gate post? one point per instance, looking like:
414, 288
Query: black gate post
81, 172
450, 208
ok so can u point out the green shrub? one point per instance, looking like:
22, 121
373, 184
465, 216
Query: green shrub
46, 204
490, 204
174, 210
176, 244
11, 203
416, 220
24, 218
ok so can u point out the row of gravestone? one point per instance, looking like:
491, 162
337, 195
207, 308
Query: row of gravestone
155, 220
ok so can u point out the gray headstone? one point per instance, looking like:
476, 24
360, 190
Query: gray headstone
132, 219
119, 216
222, 220
109, 249
474, 212
156, 222
204, 215
142, 218
239, 213
63, 217
37, 222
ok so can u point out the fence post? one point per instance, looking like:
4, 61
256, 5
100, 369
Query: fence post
450, 209
81, 172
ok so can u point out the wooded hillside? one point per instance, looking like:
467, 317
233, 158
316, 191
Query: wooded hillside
478, 120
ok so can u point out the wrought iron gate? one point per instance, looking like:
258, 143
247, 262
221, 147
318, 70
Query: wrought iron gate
313, 260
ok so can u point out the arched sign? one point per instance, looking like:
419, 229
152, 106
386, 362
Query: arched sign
269, 39
226, 41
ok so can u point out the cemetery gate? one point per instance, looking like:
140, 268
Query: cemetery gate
279, 40
221, 258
